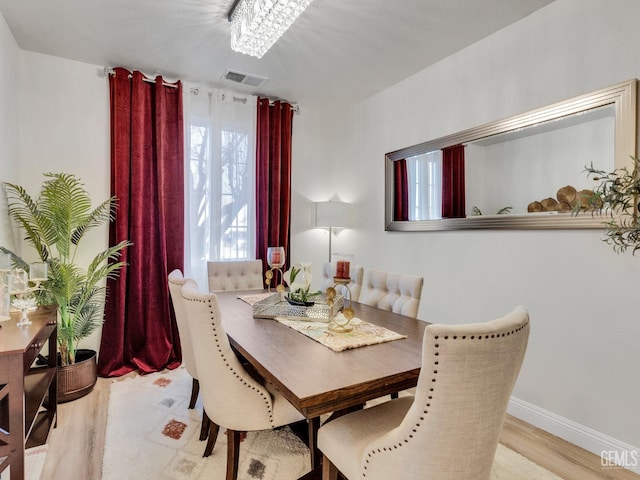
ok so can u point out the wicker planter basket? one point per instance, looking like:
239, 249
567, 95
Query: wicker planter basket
77, 380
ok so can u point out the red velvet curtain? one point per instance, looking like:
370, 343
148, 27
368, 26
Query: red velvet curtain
453, 198
147, 177
273, 177
401, 191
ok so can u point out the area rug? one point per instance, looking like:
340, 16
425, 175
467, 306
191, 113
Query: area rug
151, 434
34, 462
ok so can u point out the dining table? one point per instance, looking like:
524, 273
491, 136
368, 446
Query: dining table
315, 379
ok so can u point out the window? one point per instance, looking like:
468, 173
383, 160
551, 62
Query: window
220, 219
424, 173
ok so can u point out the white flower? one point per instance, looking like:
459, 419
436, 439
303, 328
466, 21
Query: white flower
298, 278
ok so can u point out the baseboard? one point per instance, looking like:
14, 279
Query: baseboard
584, 437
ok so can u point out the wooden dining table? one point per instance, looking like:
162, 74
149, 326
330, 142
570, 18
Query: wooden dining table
315, 379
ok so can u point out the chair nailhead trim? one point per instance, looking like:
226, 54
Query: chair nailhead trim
431, 389
226, 360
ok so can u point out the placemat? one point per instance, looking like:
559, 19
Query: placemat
253, 298
363, 333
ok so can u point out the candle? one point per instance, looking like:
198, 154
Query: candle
345, 270
342, 269
38, 272
275, 257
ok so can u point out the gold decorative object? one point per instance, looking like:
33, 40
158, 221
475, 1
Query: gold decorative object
347, 311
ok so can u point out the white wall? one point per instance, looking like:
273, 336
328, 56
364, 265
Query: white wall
64, 127
584, 352
9, 110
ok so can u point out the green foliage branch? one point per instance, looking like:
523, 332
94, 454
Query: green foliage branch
617, 195
54, 224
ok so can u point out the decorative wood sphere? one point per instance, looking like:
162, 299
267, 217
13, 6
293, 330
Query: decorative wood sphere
534, 207
567, 195
549, 204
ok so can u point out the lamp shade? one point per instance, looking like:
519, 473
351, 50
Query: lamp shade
332, 214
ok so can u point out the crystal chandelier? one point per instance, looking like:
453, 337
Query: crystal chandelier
257, 24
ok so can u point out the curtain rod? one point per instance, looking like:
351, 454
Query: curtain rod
295, 108
111, 71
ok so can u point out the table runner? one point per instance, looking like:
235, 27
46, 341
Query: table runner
363, 333
253, 298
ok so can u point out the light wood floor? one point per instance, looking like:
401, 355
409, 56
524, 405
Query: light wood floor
76, 445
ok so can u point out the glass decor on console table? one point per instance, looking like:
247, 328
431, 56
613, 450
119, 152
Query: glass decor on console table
38, 272
276, 260
22, 286
5, 272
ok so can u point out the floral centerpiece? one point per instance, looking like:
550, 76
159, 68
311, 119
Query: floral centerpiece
298, 278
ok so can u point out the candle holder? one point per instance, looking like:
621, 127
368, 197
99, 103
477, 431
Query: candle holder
347, 312
276, 260
19, 288
24, 302
38, 272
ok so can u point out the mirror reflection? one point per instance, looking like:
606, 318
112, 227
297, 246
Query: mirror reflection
424, 184
516, 169
530, 165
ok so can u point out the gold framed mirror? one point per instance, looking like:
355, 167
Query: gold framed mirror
509, 164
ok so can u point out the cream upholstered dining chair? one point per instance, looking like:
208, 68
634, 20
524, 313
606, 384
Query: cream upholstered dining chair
176, 281
355, 286
235, 275
395, 292
232, 398
450, 429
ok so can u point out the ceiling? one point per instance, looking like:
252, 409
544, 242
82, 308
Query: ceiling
341, 50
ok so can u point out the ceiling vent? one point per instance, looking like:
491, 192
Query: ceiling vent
244, 78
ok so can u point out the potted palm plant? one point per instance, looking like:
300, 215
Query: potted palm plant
618, 196
54, 224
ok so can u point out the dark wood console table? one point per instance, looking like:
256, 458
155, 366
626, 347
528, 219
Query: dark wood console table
28, 393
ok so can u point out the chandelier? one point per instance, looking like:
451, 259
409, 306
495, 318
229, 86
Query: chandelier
257, 24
